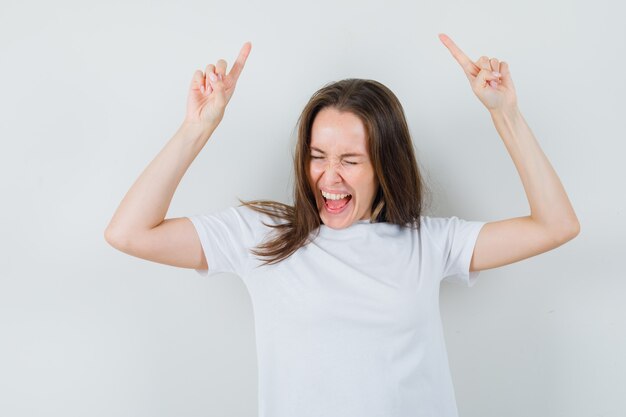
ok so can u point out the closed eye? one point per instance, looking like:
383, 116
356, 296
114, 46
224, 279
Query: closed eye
346, 162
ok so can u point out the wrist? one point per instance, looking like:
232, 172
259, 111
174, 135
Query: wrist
508, 113
195, 130
510, 123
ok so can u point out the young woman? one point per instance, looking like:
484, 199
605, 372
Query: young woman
345, 282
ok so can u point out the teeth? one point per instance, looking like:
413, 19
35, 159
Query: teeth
334, 196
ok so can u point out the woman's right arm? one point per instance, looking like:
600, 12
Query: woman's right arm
139, 227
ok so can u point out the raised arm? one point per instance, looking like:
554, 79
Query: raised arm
138, 226
552, 220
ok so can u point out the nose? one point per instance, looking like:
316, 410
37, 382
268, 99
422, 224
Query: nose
332, 173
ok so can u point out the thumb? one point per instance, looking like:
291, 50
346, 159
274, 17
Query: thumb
484, 77
217, 84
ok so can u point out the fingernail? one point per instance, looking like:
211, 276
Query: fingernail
493, 84
496, 73
212, 76
220, 77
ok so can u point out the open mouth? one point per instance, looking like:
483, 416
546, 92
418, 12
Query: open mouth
335, 202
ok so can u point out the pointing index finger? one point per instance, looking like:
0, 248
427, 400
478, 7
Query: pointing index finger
241, 60
468, 66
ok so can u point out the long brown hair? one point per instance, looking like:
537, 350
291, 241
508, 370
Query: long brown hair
399, 198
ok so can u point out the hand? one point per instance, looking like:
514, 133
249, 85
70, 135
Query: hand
495, 91
211, 91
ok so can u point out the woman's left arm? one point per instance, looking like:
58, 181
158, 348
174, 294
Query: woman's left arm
552, 220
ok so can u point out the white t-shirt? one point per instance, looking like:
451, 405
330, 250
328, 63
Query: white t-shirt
349, 324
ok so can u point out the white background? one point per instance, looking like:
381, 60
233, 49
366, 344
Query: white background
90, 92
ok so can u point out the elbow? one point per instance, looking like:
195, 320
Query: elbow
575, 228
568, 231
114, 238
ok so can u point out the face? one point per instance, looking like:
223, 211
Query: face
341, 173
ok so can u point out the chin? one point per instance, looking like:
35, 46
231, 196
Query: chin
335, 224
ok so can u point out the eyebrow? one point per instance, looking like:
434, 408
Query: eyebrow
342, 155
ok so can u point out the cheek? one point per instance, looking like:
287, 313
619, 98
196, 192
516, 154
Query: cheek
373, 183
313, 177
368, 184
315, 171
365, 180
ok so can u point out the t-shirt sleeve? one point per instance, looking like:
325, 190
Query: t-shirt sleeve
456, 238
227, 237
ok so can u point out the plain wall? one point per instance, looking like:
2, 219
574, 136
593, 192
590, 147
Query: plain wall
91, 91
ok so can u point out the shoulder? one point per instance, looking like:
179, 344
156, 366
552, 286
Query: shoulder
235, 222
248, 218
438, 225
254, 217
444, 231
435, 224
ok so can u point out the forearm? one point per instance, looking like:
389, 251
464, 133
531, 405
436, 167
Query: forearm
549, 204
146, 203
